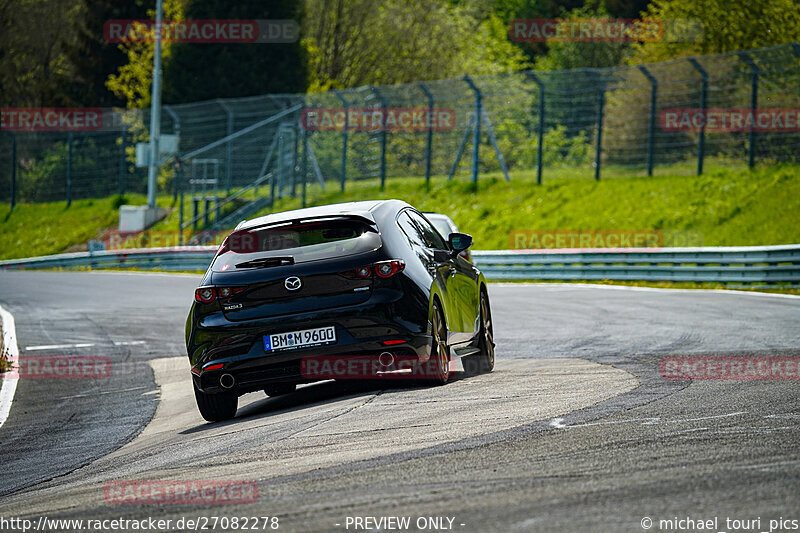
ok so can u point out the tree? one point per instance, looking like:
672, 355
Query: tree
133, 79
33, 66
358, 42
510, 10
565, 55
93, 57
204, 71
727, 25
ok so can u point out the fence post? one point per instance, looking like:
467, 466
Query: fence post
176, 129
228, 145
651, 128
304, 133
383, 133
343, 168
701, 141
13, 171
429, 137
179, 188
751, 141
540, 149
295, 157
69, 169
122, 164
477, 138
601, 102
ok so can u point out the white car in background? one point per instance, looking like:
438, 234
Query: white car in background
445, 226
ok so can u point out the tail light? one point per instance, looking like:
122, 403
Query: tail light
387, 269
382, 269
364, 272
206, 295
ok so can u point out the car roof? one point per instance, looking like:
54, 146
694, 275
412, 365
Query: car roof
364, 209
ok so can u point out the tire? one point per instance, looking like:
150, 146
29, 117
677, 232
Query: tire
279, 389
483, 361
216, 407
437, 369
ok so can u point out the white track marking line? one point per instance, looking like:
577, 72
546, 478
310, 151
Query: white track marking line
58, 346
643, 289
80, 345
9, 386
558, 423
709, 417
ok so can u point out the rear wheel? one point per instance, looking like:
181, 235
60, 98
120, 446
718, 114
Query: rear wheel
437, 369
483, 361
216, 407
279, 389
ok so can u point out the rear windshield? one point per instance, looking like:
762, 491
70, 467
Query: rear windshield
276, 245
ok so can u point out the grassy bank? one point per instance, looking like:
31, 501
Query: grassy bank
50, 228
721, 208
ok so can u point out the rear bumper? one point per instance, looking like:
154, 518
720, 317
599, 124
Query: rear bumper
360, 332
252, 373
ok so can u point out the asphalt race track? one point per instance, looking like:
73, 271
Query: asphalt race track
574, 431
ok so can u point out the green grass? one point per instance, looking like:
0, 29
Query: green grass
724, 207
49, 228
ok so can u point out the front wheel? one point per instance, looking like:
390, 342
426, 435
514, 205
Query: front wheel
483, 361
216, 407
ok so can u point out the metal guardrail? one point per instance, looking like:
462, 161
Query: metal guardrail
176, 258
739, 264
743, 265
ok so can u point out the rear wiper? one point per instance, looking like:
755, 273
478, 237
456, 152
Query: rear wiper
264, 262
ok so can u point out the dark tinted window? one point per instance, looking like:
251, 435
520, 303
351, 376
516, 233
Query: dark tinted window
412, 230
429, 234
302, 242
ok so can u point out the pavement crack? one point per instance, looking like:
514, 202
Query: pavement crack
333, 417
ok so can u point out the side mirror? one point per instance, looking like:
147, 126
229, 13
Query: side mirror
459, 241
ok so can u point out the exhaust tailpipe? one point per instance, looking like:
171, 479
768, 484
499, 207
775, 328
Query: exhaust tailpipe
386, 359
226, 381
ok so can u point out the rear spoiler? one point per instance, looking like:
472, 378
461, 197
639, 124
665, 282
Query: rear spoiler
363, 217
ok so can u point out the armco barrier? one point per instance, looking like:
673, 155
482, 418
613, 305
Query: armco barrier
175, 258
743, 265
740, 264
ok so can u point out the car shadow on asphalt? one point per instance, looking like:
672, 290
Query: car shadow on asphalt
312, 395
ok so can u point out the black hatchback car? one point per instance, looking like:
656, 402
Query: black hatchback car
356, 290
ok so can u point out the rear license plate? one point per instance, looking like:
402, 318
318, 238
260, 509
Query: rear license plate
300, 339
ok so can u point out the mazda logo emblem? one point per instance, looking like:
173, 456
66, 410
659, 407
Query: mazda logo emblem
292, 283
